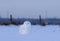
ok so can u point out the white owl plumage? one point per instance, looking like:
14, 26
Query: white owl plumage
25, 28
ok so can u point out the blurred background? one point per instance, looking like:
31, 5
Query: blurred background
30, 8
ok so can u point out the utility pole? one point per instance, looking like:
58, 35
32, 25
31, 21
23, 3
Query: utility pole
11, 18
40, 19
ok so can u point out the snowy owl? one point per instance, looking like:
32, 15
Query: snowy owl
25, 28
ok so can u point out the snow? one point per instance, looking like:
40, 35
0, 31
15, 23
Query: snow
37, 33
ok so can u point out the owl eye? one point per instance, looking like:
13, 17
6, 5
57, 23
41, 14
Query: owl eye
27, 23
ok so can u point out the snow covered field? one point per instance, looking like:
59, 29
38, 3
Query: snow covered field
37, 33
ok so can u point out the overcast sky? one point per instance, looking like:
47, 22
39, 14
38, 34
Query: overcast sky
30, 8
